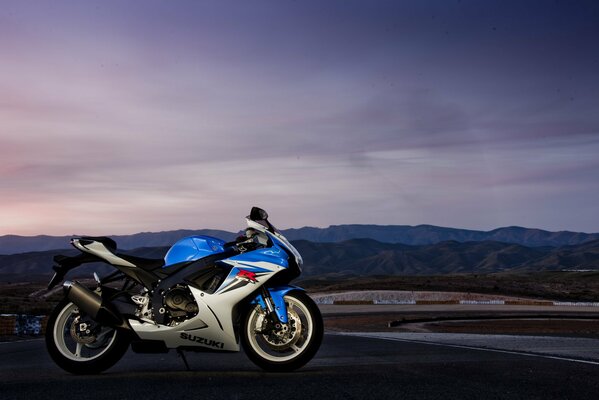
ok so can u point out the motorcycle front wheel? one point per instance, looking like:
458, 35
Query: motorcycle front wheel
291, 345
79, 345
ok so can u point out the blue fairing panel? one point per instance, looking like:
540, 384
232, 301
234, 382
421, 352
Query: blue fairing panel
274, 255
277, 294
193, 248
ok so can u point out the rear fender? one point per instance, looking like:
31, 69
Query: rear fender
64, 264
277, 293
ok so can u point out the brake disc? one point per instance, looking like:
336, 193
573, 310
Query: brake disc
287, 336
81, 331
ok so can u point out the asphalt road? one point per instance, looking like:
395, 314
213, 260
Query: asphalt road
347, 367
330, 309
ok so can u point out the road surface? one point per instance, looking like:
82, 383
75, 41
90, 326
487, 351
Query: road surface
390, 366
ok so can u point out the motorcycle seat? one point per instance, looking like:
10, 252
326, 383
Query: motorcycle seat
148, 264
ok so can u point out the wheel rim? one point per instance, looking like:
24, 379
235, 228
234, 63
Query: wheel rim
78, 349
281, 347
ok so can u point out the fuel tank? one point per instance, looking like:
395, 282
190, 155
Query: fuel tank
193, 248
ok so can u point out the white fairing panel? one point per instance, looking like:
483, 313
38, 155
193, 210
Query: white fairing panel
213, 326
98, 249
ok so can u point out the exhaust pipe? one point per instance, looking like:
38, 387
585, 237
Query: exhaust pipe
92, 304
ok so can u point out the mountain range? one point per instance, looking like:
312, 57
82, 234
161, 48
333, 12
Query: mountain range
362, 257
368, 257
404, 234
430, 234
14, 244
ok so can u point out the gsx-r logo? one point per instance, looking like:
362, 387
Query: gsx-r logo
245, 275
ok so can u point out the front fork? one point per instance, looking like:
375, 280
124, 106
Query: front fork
273, 303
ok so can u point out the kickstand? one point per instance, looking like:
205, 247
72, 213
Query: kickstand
182, 355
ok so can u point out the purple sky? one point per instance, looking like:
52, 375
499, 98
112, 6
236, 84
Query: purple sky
118, 117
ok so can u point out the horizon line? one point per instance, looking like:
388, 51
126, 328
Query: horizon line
303, 227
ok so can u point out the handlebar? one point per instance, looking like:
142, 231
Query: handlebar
251, 240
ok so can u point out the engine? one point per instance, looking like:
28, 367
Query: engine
179, 304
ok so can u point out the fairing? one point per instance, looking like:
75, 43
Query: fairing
193, 248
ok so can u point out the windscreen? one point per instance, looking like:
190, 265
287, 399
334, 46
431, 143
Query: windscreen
260, 216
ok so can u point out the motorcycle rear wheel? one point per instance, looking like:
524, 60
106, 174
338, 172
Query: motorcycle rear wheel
290, 347
82, 354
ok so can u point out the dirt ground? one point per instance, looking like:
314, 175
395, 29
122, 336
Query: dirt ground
393, 322
568, 327
553, 285
27, 298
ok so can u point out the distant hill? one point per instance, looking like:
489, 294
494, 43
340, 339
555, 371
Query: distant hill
430, 234
13, 244
405, 234
364, 257
581, 257
369, 257
37, 265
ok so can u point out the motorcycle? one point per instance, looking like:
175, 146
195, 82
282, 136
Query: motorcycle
205, 295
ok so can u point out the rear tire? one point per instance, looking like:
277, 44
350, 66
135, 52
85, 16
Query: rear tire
289, 348
79, 354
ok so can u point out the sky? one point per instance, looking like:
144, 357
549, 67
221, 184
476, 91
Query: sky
121, 117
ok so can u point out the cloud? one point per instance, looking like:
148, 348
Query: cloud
118, 118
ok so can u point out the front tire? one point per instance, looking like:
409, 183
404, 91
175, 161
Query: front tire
290, 347
90, 350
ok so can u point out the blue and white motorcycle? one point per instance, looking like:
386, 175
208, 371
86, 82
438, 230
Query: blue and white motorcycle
206, 295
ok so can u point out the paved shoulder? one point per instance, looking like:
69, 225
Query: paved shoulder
568, 348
